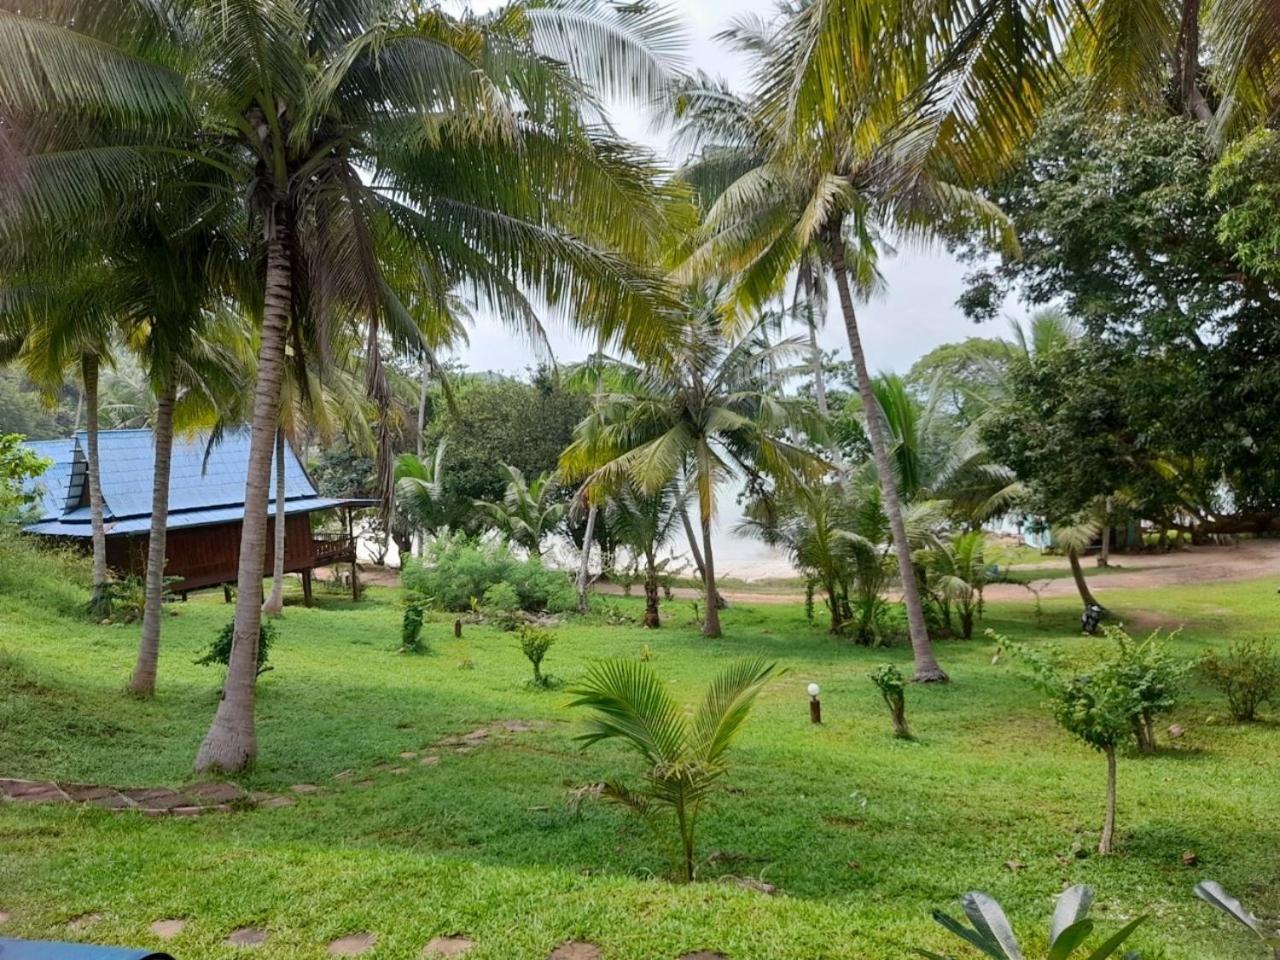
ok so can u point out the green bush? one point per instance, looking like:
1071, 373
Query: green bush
456, 569
534, 644
888, 680
220, 651
1248, 674
411, 627
37, 575
1149, 677
502, 605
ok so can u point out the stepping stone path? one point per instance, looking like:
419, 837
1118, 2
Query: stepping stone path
219, 797
447, 947
352, 945
246, 937
168, 929
575, 950
466, 742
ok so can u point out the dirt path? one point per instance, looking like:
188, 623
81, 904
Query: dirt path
1247, 561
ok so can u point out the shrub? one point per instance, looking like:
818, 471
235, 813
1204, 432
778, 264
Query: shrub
534, 644
220, 651
502, 605
1248, 675
1144, 671
456, 569
892, 687
128, 599
411, 627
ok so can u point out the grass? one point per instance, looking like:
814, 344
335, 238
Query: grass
862, 834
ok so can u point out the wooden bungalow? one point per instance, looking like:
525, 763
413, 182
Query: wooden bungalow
206, 508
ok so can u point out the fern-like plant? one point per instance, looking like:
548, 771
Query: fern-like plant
685, 757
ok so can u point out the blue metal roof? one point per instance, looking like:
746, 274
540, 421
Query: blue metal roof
206, 484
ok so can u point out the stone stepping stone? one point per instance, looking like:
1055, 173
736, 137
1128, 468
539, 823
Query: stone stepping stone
516, 726
187, 811
271, 802
4, 916
88, 793
168, 929
84, 921
409, 755
352, 945
216, 792
363, 784
575, 950
246, 937
304, 788
157, 798
35, 791
344, 775
399, 771
429, 761
454, 946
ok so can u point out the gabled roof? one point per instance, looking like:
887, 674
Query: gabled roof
206, 483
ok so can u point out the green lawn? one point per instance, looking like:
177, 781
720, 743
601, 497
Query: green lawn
861, 834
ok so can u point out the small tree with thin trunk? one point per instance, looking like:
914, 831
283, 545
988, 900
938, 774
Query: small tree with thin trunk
888, 680
1094, 707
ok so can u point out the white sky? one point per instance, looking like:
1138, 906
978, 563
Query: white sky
916, 314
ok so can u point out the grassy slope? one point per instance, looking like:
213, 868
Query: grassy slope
862, 834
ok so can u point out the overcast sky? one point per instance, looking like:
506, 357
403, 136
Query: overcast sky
916, 314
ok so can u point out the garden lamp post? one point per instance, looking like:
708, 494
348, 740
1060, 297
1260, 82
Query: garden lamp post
815, 705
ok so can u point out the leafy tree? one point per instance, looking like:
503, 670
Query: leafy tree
501, 420
1151, 676
23, 412
1165, 395
420, 493
18, 464
684, 758
888, 680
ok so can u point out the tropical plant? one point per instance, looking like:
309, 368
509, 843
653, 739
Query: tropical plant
1212, 893
420, 493
455, 570
684, 757
645, 523
704, 412
888, 680
956, 572
1248, 674
220, 650
1070, 928
534, 644
335, 122
528, 512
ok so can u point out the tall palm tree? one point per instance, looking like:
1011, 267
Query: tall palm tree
363, 134
707, 409
856, 151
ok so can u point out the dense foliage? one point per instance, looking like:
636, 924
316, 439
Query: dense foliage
456, 572
1247, 674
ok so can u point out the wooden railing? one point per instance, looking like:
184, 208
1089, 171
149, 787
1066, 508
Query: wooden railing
332, 548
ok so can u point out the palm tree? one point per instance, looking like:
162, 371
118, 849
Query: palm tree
421, 495
957, 573
363, 137
708, 410
645, 522
853, 152
684, 759
528, 512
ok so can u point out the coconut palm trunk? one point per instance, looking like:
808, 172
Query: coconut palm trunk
1077, 574
231, 743
100, 602
584, 566
711, 597
143, 681
927, 669
819, 376
652, 617
274, 606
